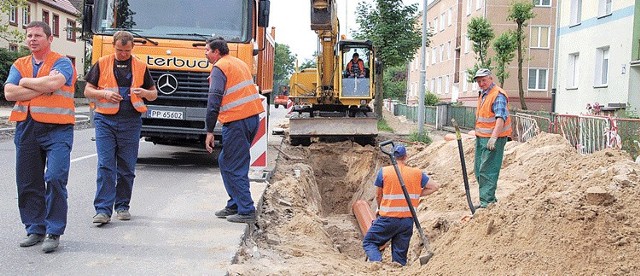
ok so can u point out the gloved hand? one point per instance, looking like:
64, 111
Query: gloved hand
491, 144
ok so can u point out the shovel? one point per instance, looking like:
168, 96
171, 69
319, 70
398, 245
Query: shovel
464, 167
424, 259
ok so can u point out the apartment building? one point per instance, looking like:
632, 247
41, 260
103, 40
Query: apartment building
598, 56
61, 16
450, 52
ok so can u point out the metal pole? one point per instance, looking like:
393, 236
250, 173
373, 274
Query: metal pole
423, 71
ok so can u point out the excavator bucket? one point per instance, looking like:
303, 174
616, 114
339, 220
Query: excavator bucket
361, 129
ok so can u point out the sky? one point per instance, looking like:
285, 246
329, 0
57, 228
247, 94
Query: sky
292, 21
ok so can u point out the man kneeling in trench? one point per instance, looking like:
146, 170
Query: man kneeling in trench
394, 220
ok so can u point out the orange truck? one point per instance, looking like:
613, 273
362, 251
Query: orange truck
170, 38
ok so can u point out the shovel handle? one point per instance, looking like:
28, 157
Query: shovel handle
455, 125
385, 143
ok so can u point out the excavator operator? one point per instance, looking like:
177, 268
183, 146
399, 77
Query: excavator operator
355, 67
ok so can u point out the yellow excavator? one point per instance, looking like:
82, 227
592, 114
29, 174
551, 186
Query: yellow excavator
333, 100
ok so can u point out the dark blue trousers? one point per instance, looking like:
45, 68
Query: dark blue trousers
384, 229
117, 141
43, 157
234, 161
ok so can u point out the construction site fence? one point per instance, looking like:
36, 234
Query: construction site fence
586, 133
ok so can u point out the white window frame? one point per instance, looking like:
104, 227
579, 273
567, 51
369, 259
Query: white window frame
449, 17
449, 50
540, 3
442, 21
13, 15
465, 82
604, 7
466, 44
435, 24
538, 85
539, 38
433, 55
602, 67
439, 85
26, 15
433, 84
441, 56
446, 84
478, 4
469, 6
573, 71
576, 12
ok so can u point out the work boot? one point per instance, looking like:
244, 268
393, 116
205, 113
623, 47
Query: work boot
31, 240
123, 215
226, 212
101, 218
239, 218
50, 243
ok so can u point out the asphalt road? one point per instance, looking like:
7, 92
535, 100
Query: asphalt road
172, 231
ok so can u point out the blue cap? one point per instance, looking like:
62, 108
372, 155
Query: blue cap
399, 151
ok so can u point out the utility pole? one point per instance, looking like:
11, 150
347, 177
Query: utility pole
423, 71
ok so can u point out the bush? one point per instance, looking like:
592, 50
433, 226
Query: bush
7, 58
431, 99
423, 138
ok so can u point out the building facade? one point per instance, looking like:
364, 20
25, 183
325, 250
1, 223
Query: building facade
598, 56
61, 16
450, 52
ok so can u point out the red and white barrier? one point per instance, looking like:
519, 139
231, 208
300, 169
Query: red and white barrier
259, 144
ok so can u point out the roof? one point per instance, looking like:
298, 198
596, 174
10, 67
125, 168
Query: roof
63, 5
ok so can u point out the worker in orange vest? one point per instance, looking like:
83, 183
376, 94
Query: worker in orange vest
235, 102
42, 84
355, 67
395, 222
493, 128
117, 85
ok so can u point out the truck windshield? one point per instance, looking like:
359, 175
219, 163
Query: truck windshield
192, 20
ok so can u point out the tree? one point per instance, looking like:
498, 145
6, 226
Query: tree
7, 58
283, 64
480, 33
392, 29
11, 35
395, 83
505, 47
521, 12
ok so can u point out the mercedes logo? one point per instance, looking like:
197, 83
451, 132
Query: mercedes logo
167, 84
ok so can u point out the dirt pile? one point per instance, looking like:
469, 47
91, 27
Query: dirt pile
559, 212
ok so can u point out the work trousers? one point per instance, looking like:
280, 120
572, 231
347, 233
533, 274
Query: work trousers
234, 162
487, 166
384, 229
117, 141
43, 153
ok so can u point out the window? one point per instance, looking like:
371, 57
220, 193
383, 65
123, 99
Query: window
446, 84
433, 55
576, 12
55, 25
602, 66
441, 59
604, 8
573, 67
449, 50
478, 4
466, 44
542, 3
71, 30
26, 15
13, 16
449, 14
469, 5
13, 47
539, 37
439, 85
45, 17
537, 79
435, 24
442, 21
465, 83
73, 61
433, 83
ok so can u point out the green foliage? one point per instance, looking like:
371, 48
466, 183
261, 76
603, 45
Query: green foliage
395, 83
420, 137
480, 33
308, 63
383, 126
431, 99
284, 62
392, 27
7, 58
11, 35
505, 47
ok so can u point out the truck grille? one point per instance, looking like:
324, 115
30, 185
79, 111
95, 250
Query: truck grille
192, 89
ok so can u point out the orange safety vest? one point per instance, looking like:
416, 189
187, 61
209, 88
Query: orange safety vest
393, 203
108, 81
57, 108
360, 65
241, 99
486, 119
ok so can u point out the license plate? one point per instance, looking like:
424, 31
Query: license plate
172, 115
